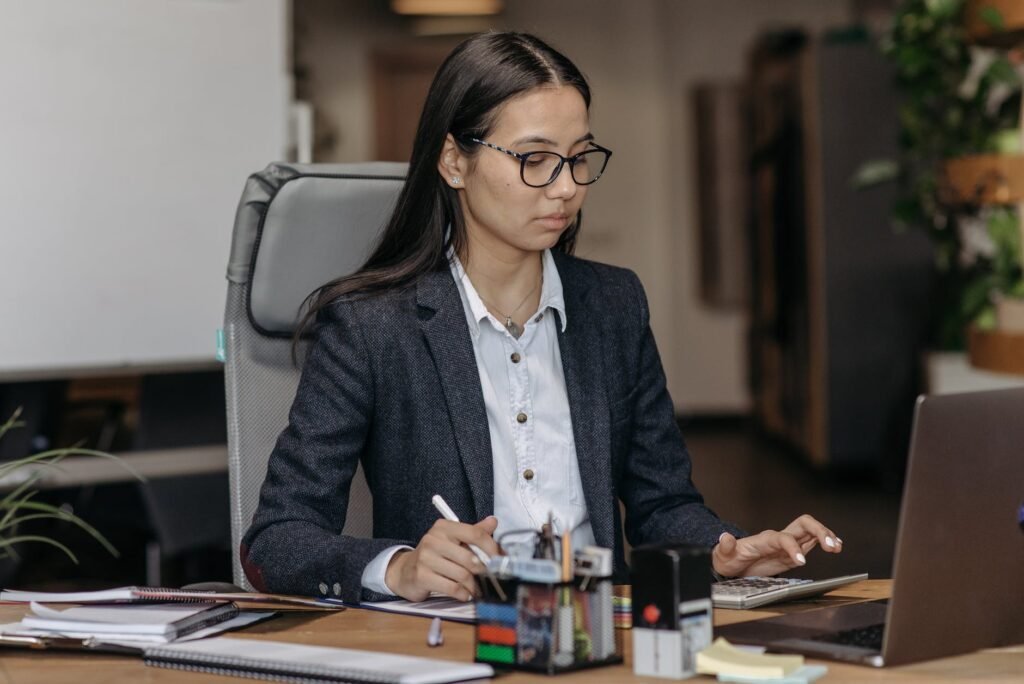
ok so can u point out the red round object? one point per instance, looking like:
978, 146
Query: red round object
651, 613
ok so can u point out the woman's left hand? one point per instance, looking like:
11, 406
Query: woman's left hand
771, 552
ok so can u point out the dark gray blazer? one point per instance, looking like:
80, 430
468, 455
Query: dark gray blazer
392, 381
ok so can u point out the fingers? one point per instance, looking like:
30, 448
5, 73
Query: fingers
484, 538
788, 544
443, 562
810, 533
771, 545
465, 534
726, 544
771, 552
451, 540
723, 556
767, 553
445, 576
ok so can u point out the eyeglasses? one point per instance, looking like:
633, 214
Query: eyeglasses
538, 169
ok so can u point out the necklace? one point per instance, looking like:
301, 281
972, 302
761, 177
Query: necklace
513, 328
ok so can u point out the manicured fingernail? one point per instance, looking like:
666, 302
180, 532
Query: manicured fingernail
839, 540
722, 535
800, 559
829, 543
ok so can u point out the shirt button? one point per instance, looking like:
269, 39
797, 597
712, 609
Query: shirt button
521, 418
516, 358
337, 589
323, 588
528, 474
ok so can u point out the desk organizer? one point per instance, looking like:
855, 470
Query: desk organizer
548, 628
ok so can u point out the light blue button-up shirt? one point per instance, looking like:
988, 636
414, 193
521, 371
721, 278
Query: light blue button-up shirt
532, 446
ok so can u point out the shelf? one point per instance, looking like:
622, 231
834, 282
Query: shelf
78, 471
983, 179
995, 350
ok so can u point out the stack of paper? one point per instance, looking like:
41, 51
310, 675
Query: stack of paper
149, 624
731, 664
162, 595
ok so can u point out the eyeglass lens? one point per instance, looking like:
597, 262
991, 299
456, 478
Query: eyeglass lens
539, 168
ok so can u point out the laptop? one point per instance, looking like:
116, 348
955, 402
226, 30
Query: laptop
958, 571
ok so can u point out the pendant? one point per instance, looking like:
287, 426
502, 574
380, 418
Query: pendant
514, 329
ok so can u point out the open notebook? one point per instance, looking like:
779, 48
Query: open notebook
296, 662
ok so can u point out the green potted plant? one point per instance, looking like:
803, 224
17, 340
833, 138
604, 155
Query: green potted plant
960, 108
19, 480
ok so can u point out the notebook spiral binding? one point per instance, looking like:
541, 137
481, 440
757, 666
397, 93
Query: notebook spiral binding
265, 677
239, 667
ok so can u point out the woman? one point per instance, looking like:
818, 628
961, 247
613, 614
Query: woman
475, 358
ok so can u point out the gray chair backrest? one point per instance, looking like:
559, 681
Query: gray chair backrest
297, 227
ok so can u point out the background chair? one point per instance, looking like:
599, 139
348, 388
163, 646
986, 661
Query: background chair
297, 227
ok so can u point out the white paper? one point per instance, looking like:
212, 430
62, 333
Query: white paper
243, 619
443, 607
121, 619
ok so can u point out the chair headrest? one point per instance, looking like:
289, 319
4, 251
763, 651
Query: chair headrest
299, 226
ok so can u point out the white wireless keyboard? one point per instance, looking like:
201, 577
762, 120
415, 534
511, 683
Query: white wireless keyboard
751, 592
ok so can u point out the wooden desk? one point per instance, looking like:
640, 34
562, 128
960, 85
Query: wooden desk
401, 634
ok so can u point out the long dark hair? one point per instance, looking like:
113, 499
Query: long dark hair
480, 75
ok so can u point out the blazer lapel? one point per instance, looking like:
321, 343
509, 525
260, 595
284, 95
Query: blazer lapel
444, 326
580, 347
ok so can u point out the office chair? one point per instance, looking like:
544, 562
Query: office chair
297, 227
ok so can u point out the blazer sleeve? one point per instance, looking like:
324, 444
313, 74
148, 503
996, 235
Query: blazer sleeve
294, 544
661, 502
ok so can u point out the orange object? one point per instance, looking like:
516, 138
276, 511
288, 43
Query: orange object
492, 634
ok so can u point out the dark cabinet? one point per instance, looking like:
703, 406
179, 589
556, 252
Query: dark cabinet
839, 297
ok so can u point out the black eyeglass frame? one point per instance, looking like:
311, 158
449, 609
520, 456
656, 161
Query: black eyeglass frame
523, 156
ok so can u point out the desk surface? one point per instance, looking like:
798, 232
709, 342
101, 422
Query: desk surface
397, 633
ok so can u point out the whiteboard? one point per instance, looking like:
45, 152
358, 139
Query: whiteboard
127, 129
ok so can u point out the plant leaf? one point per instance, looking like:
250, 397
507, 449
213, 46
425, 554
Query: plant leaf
16, 502
875, 172
11, 541
992, 17
941, 9
50, 511
11, 423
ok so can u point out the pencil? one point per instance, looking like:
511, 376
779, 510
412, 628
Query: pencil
566, 557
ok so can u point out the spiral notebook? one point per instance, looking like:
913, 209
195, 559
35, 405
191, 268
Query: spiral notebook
162, 594
275, 660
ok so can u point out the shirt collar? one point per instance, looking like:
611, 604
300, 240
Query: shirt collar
551, 294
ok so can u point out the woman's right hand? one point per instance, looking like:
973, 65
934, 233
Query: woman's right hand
442, 561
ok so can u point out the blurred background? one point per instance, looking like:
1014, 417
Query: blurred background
820, 197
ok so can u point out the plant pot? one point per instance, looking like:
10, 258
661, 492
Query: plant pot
996, 350
979, 31
983, 179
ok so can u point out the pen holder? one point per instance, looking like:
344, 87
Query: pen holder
547, 627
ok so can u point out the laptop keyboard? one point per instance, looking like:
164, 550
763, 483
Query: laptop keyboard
869, 637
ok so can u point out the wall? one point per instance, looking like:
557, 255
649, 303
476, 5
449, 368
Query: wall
710, 40
641, 57
128, 128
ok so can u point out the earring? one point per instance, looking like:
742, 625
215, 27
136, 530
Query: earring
456, 180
